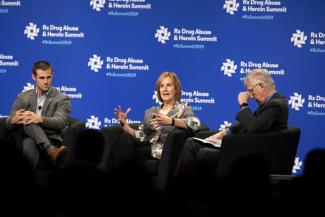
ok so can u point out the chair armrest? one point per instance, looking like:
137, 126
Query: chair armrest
111, 133
71, 133
3, 128
203, 127
278, 148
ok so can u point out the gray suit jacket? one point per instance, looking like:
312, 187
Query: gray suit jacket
55, 111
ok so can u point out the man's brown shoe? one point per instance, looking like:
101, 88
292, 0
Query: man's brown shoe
57, 153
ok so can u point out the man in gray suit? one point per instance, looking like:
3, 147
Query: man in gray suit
40, 114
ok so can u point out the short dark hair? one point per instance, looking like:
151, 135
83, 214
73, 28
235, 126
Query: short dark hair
43, 65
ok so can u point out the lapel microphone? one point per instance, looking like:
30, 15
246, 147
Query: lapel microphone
39, 107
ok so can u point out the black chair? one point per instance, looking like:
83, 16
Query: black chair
159, 171
5, 138
3, 128
45, 166
71, 133
277, 147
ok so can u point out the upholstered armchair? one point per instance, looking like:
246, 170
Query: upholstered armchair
45, 165
158, 171
278, 148
2, 128
69, 135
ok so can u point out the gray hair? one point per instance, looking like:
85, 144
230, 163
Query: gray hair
261, 75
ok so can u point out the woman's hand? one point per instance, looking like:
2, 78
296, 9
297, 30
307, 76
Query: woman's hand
120, 115
160, 119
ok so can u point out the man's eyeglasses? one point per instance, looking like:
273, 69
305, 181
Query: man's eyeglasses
250, 90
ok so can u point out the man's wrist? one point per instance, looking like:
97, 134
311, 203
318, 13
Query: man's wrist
40, 120
243, 105
11, 120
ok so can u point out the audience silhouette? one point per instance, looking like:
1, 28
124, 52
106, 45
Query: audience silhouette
82, 188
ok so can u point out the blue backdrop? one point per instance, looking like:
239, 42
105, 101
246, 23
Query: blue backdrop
107, 53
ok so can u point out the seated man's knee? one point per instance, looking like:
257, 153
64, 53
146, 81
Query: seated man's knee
207, 154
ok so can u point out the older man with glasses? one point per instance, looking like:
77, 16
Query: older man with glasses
271, 115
